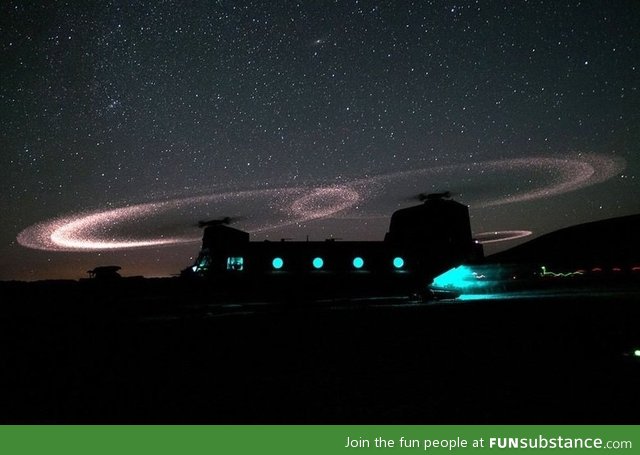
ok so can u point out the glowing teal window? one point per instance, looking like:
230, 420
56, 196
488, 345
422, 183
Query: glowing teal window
358, 262
318, 263
235, 263
202, 264
398, 262
277, 263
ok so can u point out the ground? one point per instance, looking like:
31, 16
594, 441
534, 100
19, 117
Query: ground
160, 354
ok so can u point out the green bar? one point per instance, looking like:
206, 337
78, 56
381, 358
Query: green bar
292, 439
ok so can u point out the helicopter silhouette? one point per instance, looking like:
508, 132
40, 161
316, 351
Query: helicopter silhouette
422, 241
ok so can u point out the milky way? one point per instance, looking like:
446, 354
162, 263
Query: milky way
273, 208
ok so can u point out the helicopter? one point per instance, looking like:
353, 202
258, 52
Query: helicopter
422, 242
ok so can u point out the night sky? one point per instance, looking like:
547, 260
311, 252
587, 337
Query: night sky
124, 123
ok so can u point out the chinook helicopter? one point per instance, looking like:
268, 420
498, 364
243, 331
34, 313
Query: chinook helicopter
422, 242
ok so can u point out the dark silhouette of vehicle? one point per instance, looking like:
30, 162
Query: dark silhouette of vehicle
105, 273
422, 242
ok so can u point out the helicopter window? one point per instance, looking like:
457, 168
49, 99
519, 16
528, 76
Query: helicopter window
277, 263
398, 262
202, 264
358, 262
318, 263
235, 263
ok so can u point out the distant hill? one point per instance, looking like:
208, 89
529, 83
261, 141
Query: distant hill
614, 241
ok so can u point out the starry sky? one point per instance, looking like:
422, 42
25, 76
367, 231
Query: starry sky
136, 119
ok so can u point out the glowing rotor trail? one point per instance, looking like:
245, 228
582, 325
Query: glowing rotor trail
360, 198
314, 205
93, 231
544, 177
500, 236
